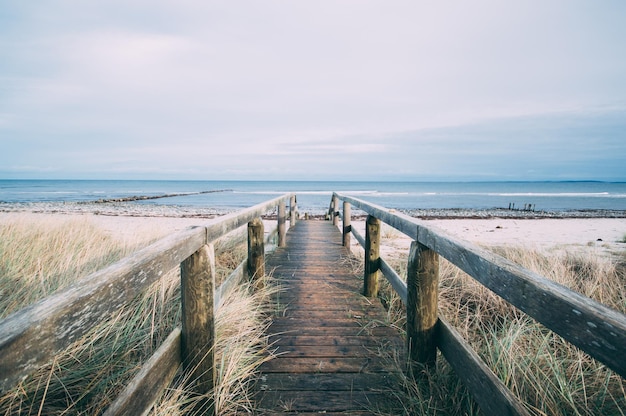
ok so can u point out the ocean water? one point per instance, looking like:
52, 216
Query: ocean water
315, 196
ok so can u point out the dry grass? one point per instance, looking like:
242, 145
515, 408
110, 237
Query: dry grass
37, 258
551, 376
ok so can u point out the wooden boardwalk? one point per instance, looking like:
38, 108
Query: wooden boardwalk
328, 337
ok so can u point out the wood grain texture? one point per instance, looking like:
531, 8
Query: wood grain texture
198, 318
347, 223
372, 257
282, 223
328, 337
421, 306
256, 249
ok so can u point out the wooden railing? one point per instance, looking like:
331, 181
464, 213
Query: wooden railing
31, 337
591, 326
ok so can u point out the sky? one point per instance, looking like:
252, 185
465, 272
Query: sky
341, 90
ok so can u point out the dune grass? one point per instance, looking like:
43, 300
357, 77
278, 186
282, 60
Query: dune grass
551, 376
38, 257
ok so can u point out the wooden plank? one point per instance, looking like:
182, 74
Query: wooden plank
323, 401
324, 365
370, 330
339, 311
30, 337
394, 279
327, 382
387, 343
230, 282
155, 375
322, 351
329, 321
489, 392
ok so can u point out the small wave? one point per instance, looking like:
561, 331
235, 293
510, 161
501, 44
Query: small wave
558, 194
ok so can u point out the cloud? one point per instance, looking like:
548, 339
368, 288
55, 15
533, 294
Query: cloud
408, 88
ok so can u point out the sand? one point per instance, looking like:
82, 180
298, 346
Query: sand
601, 236
596, 235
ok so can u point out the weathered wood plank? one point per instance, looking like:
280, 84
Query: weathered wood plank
373, 331
329, 401
327, 382
30, 337
387, 342
323, 351
324, 365
155, 375
394, 279
489, 392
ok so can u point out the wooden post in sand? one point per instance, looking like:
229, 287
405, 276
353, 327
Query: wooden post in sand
335, 213
256, 249
347, 227
372, 257
198, 321
281, 223
421, 307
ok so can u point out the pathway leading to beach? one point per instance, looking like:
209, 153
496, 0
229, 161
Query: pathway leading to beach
327, 336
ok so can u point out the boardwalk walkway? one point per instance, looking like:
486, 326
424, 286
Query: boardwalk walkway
328, 337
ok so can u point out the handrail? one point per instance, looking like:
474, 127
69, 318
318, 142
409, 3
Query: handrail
591, 326
30, 337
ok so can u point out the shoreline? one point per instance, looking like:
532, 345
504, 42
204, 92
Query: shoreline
582, 231
130, 209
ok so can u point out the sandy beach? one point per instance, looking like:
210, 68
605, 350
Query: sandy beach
594, 235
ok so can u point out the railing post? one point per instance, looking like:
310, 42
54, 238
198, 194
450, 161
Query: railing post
335, 213
198, 321
347, 227
256, 250
281, 223
372, 257
293, 211
421, 308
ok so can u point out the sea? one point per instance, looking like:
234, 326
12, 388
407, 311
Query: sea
314, 196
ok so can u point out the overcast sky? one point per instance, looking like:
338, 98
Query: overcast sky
412, 90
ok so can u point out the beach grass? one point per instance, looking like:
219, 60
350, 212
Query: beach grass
39, 256
548, 374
